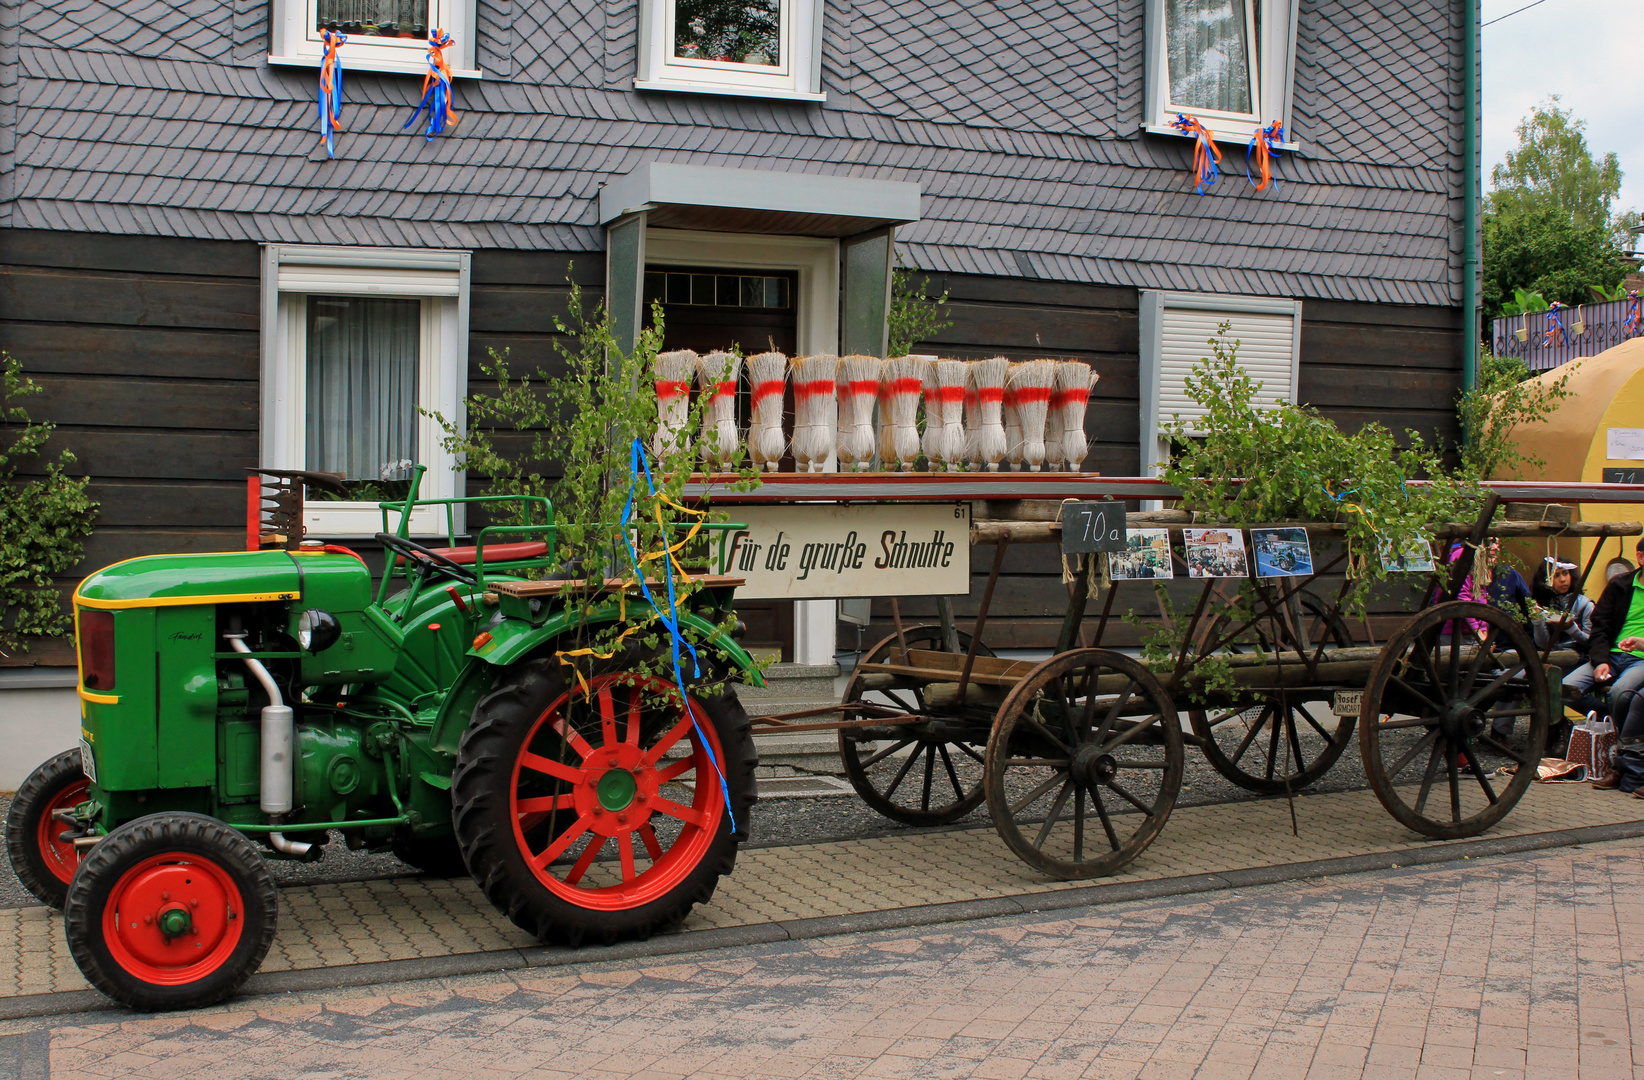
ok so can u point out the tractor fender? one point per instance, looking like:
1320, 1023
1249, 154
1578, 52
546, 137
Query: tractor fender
514, 639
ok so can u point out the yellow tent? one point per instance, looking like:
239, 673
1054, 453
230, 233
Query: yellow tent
1606, 391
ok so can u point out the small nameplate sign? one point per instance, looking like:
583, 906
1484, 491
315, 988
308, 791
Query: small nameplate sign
1624, 476
1093, 526
824, 552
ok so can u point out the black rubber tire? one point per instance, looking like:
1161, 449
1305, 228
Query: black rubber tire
480, 800
436, 856
123, 849
32, 800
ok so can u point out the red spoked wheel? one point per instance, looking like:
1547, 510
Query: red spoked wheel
170, 911
43, 862
596, 811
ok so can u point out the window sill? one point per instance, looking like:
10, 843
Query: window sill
388, 67
1224, 135
727, 90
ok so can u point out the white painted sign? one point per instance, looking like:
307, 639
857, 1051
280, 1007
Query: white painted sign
820, 551
1624, 443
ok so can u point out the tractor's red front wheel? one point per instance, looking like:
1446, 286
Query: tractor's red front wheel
596, 809
170, 911
42, 860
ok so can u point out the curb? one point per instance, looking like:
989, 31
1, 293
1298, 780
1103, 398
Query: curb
440, 967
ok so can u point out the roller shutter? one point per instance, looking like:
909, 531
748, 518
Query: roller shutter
1266, 351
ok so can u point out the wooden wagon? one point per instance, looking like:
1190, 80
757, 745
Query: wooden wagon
1080, 757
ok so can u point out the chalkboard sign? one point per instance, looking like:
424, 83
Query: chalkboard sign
1624, 476
1093, 526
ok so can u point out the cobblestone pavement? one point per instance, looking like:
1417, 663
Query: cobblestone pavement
1508, 967
337, 924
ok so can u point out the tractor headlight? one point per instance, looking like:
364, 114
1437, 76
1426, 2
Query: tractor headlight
317, 630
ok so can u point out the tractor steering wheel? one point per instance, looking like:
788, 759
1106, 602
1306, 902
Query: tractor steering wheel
426, 559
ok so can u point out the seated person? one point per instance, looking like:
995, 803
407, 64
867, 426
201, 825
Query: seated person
1615, 655
1568, 614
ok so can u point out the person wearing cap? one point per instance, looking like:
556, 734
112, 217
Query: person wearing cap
1615, 655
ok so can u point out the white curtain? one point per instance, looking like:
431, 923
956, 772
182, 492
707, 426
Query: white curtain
1209, 54
362, 386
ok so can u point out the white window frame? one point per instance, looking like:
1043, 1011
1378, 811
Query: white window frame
1272, 76
293, 41
440, 279
1153, 311
797, 78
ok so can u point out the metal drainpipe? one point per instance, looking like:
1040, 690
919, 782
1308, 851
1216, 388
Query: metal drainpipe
1471, 58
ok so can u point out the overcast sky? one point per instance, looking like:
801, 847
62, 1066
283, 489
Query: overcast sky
1587, 52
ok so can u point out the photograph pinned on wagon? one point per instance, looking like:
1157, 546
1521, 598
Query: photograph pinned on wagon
1215, 553
1281, 552
1415, 559
1146, 556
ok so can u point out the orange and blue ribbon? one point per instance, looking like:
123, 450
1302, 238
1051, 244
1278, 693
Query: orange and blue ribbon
436, 87
1634, 317
1206, 155
1557, 324
331, 90
1264, 145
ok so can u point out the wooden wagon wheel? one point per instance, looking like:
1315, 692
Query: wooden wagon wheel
1428, 710
1084, 763
926, 774
1267, 747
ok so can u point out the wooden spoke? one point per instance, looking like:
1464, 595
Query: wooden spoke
1407, 722
1455, 783
1483, 781
953, 777
1056, 805
1033, 796
883, 754
902, 774
1495, 684
1490, 740
1433, 760
1250, 737
930, 775
1136, 729
1078, 822
1118, 789
1034, 723
1107, 822
1413, 692
973, 755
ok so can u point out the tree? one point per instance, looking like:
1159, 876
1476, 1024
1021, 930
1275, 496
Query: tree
1553, 168
1550, 226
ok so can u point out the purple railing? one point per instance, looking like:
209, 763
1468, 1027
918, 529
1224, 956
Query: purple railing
1588, 329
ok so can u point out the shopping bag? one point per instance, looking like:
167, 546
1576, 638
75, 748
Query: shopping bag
1592, 749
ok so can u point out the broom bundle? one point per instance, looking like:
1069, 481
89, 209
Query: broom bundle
716, 377
901, 381
987, 380
816, 411
1054, 450
1013, 416
1074, 382
767, 378
674, 372
858, 387
930, 444
951, 377
1034, 382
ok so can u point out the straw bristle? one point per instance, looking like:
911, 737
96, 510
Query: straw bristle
901, 382
1074, 381
1034, 382
816, 411
858, 386
716, 376
674, 373
1054, 450
767, 379
988, 379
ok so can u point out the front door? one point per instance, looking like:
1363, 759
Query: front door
751, 311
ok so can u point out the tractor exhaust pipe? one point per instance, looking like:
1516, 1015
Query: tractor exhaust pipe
279, 733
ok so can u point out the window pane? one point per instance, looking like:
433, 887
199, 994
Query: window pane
753, 291
654, 287
362, 389
1209, 54
374, 18
702, 289
679, 289
726, 287
730, 31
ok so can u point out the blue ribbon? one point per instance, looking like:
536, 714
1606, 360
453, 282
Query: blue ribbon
638, 464
1274, 133
333, 99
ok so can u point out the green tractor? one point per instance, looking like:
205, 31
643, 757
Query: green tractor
251, 704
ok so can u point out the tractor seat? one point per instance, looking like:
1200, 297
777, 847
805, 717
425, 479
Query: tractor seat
494, 553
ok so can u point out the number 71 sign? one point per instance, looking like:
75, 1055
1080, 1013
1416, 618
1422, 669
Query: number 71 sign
1093, 526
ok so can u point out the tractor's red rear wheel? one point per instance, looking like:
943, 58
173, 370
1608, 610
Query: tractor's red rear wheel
170, 911
596, 810
42, 861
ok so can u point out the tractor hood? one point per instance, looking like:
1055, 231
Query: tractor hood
168, 580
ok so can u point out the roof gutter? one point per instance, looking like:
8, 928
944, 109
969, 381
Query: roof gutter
1470, 172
